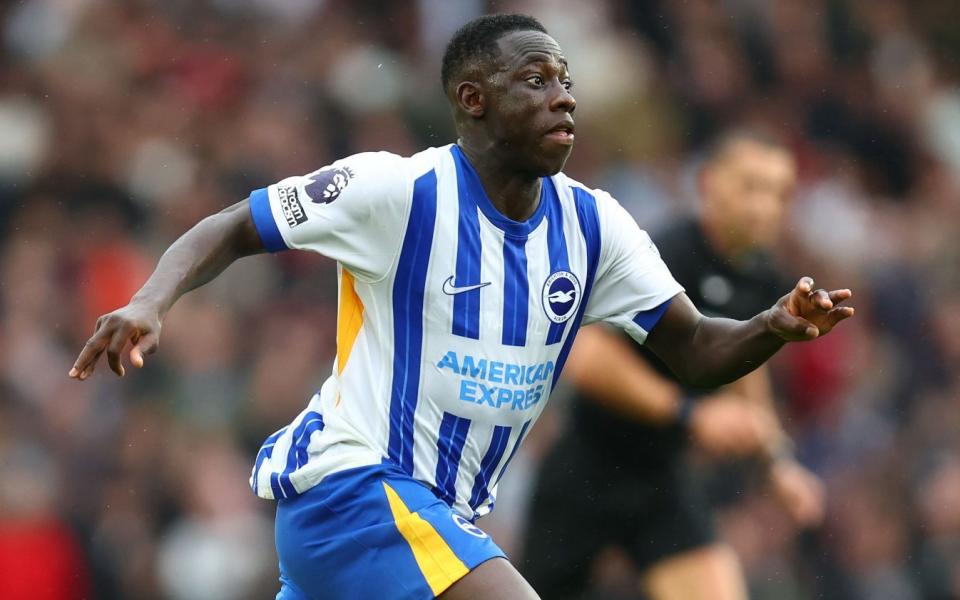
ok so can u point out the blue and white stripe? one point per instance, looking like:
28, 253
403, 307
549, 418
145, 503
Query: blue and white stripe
488, 465
452, 331
589, 220
516, 290
466, 305
556, 248
452, 437
408, 294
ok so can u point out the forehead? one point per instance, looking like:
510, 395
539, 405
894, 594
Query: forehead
749, 154
518, 48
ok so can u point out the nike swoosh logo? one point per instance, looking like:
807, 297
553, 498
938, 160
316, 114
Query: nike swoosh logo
452, 290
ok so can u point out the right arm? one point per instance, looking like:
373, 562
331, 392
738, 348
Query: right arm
347, 211
195, 258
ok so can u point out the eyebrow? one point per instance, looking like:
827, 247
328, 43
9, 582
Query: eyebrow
540, 56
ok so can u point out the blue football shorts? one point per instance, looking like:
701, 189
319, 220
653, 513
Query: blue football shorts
374, 533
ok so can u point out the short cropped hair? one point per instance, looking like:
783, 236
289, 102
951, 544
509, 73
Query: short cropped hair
762, 136
477, 40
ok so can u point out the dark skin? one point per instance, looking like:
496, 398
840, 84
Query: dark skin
514, 119
502, 114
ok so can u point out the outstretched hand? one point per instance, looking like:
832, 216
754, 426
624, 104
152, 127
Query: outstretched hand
807, 313
135, 324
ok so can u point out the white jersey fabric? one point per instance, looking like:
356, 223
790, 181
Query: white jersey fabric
454, 321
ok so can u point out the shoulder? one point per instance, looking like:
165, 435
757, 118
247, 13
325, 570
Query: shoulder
613, 220
424, 160
433, 159
360, 166
380, 172
583, 194
612, 217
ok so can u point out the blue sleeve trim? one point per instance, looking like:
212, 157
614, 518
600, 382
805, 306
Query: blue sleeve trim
648, 319
263, 221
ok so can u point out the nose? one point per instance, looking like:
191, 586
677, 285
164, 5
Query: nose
564, 101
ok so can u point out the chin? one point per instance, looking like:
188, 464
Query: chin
552, 163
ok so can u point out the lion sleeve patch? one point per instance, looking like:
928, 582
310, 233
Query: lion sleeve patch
326, 185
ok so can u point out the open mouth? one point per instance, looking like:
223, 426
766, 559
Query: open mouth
561, 133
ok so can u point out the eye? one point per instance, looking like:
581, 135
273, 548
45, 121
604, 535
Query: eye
536, 80
568, 84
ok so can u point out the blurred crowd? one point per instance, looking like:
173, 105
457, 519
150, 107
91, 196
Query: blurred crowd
123, 123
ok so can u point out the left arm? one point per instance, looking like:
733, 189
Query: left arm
709, 352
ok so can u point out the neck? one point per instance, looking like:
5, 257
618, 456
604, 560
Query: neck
513, 193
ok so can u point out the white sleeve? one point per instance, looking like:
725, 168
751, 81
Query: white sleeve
352, 211
633, 286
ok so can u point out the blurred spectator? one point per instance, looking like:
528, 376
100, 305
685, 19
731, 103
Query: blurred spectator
40, 557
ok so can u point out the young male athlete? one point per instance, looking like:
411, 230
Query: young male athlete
624, 440
464, 274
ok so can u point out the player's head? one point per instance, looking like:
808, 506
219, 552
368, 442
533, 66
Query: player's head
747, 181
507, 82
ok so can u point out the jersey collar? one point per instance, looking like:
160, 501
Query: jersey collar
468, 182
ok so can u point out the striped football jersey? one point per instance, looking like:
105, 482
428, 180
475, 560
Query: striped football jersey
454, 321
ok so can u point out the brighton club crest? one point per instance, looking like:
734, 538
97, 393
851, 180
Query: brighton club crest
561, 295
327, 185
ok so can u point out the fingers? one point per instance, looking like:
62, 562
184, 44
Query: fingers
115, 349
820, 299
87, 360
802, 329
145, 345
827, 300
804, 297
813, 312
839, 314
838, 296
133, 324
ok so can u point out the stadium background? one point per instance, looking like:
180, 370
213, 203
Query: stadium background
123, 123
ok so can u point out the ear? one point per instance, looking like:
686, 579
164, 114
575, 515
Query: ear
470, 99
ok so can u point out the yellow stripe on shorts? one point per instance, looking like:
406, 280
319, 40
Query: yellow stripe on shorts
439, 565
